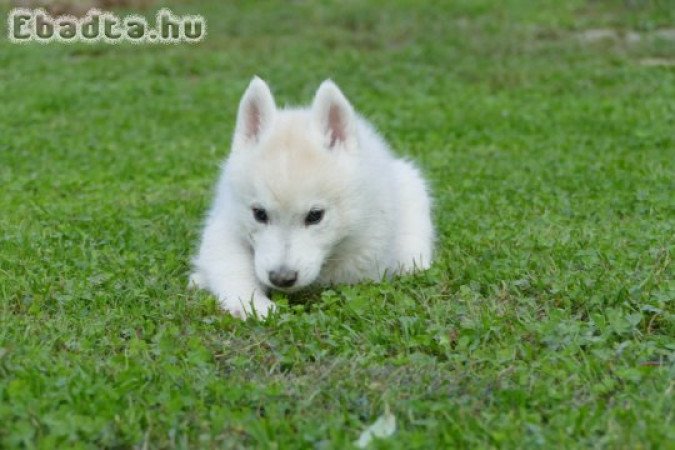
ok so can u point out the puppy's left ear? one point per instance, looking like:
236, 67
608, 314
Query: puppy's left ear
334, 116
256, 113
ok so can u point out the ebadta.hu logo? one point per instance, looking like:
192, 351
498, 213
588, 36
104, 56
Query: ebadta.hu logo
37, 25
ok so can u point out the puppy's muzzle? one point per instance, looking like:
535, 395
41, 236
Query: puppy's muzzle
283, 277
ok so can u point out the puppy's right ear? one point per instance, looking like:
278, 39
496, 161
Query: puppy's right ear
334, 116
256, 113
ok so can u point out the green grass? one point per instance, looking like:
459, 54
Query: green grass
547, 320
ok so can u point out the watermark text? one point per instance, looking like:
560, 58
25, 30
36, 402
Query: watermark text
37, 25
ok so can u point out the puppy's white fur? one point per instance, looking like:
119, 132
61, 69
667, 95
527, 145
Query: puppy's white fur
376, 209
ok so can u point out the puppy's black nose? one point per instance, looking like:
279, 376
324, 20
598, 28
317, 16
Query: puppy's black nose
283, 278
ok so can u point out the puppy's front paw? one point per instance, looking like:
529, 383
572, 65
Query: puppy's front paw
257, 306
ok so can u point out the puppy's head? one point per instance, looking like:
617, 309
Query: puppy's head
294, 178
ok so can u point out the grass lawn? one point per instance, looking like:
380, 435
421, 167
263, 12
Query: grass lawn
547, 130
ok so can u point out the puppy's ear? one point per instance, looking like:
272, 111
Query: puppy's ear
256, 112
334, 116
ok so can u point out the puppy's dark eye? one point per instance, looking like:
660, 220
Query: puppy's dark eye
260, 215
314, 216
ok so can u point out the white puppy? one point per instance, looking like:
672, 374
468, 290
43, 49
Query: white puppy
309, 195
